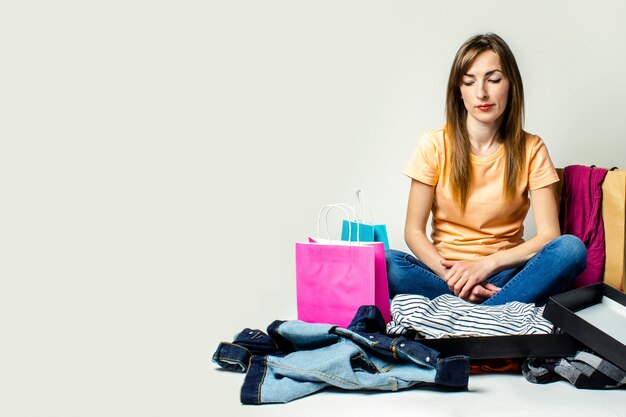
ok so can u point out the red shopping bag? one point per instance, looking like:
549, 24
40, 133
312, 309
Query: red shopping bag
335, 278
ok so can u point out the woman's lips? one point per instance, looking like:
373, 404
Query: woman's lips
484, 107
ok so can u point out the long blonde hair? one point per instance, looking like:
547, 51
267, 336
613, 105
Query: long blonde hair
511, 128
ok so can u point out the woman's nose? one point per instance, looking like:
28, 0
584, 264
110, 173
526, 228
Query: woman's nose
481, 91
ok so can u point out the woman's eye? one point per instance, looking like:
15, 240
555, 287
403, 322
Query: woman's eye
496, 81
468, 83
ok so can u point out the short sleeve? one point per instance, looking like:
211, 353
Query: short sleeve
423, 165
541, 170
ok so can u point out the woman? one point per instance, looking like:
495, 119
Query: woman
475, 175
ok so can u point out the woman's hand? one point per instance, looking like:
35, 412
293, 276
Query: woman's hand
463, 277
482, 292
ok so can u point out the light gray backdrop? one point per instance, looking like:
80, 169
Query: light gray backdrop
160, 160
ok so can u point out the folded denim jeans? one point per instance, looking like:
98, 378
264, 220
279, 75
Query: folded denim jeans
295, 359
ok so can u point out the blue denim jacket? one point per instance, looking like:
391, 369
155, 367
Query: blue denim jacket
296, 359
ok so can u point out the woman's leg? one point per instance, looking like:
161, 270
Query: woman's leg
552, 270
407, 275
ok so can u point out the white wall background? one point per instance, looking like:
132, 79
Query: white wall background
160, 159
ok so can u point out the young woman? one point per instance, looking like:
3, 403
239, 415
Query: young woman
475, 175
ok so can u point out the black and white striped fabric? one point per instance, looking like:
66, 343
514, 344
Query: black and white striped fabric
450, 316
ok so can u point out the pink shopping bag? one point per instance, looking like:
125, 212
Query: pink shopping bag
335, 278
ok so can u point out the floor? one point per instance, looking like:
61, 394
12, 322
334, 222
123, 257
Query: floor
488, 395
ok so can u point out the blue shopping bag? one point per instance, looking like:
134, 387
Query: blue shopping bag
365, 231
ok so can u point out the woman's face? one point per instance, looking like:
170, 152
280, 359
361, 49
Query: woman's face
485, 89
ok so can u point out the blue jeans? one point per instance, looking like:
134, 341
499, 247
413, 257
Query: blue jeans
295, 359
552, 270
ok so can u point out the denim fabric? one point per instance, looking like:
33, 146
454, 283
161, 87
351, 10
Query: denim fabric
298, 359
249, 342
550, 271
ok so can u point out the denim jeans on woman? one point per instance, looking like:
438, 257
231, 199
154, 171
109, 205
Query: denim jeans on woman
552, 270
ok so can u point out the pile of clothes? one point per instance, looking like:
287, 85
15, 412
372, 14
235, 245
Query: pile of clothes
295, 359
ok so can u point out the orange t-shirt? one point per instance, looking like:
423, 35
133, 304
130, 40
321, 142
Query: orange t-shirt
489, 223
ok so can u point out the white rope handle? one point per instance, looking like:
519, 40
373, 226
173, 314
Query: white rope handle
350, 219
344, 207
324, 212
362, 204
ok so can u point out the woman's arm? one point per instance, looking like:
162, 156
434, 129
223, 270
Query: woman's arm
420, 202
462, 276
418, 210
547, 225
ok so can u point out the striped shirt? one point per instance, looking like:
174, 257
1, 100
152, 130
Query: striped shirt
450, 316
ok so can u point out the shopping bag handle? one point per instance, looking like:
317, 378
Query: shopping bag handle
360, 201
344, 207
